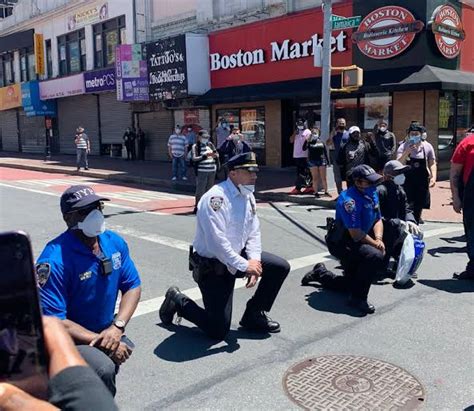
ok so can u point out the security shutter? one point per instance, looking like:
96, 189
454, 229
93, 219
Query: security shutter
115, 117
9, 130
78, 111
157, 127
32, 134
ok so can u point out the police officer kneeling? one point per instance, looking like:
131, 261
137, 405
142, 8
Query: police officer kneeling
228, 246
361, 247
80, 274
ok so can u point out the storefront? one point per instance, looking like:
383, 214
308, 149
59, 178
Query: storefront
10, 101
417, 60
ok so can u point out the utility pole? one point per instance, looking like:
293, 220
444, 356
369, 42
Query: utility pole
326, 79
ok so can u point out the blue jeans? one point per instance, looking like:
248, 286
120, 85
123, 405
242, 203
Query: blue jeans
179, 167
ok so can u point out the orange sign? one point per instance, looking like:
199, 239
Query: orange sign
10, 97
39, 54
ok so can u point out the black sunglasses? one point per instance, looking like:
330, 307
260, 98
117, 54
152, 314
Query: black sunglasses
85, 211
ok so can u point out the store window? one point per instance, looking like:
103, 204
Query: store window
345, 108
463, 114
27, 65
49, 59
23, 68
8, 75
376, 106
72, 52
446, 119
107, 36
31, 62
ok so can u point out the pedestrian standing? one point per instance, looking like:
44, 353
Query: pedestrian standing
301, 158
83, 148
129, 141
361, 248
141, 144
386, 144
228, 246
205, 157
421, 176
462, 190
222, 131
177, 154
191, 137
340, 137
317, 161
80, 274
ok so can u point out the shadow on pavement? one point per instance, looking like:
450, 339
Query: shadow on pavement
331, 302
446, 250
452, 240
450, 285
190, 343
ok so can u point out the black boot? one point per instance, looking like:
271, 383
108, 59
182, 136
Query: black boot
168, 309
361, 305
314, 274
465, 275
259, 321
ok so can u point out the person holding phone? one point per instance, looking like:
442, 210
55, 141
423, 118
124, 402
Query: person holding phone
421, 176
80, 274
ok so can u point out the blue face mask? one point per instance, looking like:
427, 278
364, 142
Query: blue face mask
369, 191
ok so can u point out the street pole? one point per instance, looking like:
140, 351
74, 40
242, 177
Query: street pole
326, 79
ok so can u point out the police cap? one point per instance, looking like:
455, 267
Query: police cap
247, 161
365, 172
394, 167
77, 197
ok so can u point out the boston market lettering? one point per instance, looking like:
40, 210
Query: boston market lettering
448, 31
286, 50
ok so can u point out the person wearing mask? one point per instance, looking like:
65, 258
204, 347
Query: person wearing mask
228, 246
300, 157
462, 190
129, 141
222, 131
421, 176
385, 142
317, 161
355, 152
80, 274
190, 137
335, 143
205, 158
83, 148
177, 153
362, 247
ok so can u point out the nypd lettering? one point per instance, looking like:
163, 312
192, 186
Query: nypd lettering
85, 276
43, 272
116, 260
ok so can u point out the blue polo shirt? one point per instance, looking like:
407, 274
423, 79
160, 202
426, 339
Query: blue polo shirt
358, 210
72, 285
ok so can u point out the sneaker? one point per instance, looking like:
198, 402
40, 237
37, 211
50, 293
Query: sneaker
259, 321
174, 179
308, 190
363, 306
184, 178
295, 191
168, 309
87, 168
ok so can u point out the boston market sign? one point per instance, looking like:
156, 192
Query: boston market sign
387, 32
448, 31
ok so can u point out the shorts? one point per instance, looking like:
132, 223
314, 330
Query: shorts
317, 163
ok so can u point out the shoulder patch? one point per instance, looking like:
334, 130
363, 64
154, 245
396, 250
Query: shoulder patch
349, 205
43, 271
216, 202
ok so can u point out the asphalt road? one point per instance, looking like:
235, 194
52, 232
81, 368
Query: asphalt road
427, 330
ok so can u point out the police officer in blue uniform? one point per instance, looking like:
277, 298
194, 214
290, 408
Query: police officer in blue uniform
80, 274
363, 249
228, 246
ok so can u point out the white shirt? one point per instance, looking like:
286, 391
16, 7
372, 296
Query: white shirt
227, 223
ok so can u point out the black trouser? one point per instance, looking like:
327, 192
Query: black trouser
302, 173
217, 293
468, 220
102, 364
361, 266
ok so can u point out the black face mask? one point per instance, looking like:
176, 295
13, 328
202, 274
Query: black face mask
355, 136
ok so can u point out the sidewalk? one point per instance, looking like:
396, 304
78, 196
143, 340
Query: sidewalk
273, 184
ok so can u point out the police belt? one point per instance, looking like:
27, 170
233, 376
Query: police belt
205, 265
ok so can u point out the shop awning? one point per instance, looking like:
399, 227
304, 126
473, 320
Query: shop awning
430, 77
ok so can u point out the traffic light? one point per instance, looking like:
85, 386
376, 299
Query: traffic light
352, 78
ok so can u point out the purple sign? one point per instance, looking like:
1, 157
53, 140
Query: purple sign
100, 80
131, 73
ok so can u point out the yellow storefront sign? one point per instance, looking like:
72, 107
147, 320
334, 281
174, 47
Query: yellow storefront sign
10, 97
39, 54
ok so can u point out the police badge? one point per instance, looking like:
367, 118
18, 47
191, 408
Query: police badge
43, 271
216, 202
349, 205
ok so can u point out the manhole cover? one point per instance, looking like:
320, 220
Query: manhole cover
352, 383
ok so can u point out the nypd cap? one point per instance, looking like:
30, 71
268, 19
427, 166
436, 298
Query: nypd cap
77, 197
365, 172
246, 161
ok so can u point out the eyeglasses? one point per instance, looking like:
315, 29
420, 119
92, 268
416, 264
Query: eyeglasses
85, 211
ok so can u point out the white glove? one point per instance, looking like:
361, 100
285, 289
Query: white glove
413, 228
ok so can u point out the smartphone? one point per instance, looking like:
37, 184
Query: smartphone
23, 359
127, 341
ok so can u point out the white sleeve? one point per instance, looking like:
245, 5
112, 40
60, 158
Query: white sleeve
253, 247
215, 237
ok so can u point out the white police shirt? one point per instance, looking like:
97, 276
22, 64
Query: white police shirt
227, 222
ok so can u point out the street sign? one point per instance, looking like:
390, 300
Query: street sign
335, 17
347, 23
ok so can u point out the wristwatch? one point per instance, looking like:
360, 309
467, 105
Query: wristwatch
120, 324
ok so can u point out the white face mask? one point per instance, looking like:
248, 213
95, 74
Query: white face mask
247, 189
383, 129
204, 140
177, 131
300, 127
399, 180
93, 225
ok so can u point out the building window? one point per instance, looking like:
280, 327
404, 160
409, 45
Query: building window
108, 35
23, 67
376, 106
49, 59
7, 68
72, 52
446, 119
31, 62
345, 108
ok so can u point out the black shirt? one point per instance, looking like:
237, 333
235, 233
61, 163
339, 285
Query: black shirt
393, 202
316, 150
